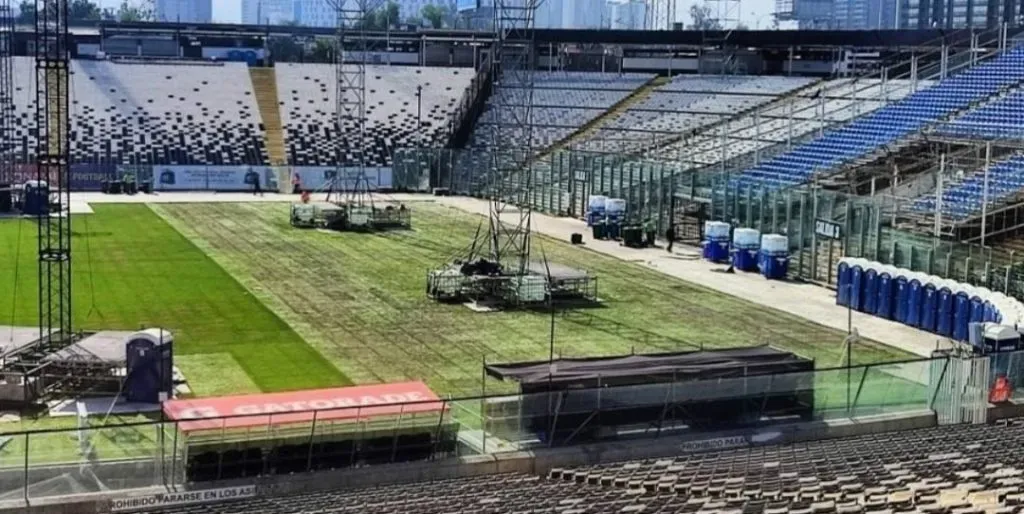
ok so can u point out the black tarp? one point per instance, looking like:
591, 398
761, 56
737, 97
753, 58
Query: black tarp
636, 369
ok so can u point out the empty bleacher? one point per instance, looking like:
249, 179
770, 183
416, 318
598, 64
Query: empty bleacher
154, 113
963, 469
563, 102
833, 102
1000, 119
686, 104
888, 125
405, 107
962, 199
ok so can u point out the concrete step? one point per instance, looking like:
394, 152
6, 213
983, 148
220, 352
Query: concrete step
264, 82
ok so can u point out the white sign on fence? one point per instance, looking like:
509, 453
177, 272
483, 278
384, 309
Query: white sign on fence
158, 500
243, 178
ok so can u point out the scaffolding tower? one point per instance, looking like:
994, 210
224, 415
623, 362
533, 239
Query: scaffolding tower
52, 59
7, 139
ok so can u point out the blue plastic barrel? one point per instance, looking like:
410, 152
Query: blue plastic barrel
944, 312
990, 312
915, 302
929, 307
901, 298
857, 287
745, 259
884, 308
774, 266
871, 291
961, 316
844, 278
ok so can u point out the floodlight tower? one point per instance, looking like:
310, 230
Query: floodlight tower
52, 59
511, 177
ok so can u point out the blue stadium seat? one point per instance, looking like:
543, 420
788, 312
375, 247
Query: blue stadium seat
963, 199
888, 124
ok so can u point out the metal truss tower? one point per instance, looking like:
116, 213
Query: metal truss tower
7, 138
511, 178
52, 159
352, 18
726, 12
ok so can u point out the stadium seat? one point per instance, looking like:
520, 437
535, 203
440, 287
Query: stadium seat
405, 107
963, 198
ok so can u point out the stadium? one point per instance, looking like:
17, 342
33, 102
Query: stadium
514, 270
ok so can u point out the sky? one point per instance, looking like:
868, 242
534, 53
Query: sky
751, 11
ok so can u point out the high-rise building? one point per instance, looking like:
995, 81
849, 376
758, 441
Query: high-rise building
958, 14
865, 14
808, 14
185, 11
267, 12
319, 13
625, 15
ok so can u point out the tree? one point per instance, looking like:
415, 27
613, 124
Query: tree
323, 50
702, 19
27, 12
414, 20
83, 10
128, 12
434, 15
387, 16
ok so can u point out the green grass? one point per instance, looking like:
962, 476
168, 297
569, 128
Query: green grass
359, 299
131, 269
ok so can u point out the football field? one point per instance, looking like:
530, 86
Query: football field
257, 305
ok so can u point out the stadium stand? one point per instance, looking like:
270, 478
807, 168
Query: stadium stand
885, 127
563, 102
997, 120
959, 468
836, 101
152, 113
406, 106
688, 103
963, 199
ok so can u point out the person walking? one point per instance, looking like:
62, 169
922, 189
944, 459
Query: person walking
670, 236
256, 188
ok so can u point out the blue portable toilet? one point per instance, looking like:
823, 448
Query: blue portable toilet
915, 299
978, 304
901, 296
745, 245
857, 284
844, 281
929, 307
149, 363
870, 303
886, 290
716, 241
773, 256
946, 308
961, 314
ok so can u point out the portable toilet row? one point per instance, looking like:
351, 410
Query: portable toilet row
773, 256
928, 302
716, 241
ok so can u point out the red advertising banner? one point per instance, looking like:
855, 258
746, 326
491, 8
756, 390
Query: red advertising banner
340, 403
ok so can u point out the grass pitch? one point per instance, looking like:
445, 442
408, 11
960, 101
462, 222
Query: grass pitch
359, 299
131, 269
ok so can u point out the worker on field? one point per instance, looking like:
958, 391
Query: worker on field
296, 184
257, 189
670, 236
304, 197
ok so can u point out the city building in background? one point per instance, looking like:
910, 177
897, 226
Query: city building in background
865, 14
267, 12
625, 15
920, 14
807, 14
184, 11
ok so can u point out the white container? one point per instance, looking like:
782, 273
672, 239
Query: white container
746, 238
774, 243
716, 230
596, 203
614, 206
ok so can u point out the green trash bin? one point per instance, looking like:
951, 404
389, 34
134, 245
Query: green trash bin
599, 230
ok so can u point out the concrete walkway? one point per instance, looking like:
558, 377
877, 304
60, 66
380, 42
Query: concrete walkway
807, 301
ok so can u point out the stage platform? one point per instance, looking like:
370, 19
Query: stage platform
13, 339
102, 347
